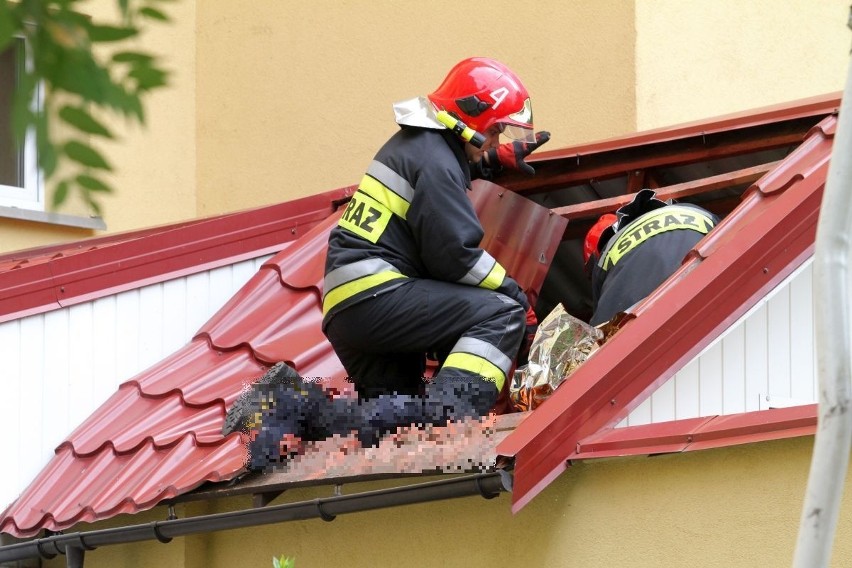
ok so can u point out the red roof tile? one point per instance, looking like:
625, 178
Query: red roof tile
157, 436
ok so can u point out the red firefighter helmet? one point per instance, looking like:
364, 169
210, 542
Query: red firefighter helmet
593, 237
483, 92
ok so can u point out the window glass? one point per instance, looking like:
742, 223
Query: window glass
20, 184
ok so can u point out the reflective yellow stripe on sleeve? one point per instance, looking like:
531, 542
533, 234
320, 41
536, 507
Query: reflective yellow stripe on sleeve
495, 277
477, 365
486, 273
480, 357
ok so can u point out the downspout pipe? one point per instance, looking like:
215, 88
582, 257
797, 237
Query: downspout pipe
487, 485
830, 459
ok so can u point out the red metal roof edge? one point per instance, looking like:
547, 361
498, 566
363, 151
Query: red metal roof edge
228, 455
119, 262
699, 433
666, 334
812, 106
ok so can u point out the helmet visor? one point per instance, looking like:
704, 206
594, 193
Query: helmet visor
523, 134
519, 125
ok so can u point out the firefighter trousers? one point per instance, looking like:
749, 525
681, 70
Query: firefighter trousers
382, 341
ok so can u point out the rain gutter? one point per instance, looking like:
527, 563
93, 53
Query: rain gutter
74, 545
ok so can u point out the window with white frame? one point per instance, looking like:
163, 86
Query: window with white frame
20, 180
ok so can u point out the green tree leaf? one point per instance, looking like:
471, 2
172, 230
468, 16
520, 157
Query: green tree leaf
61, 193
83, 121
124, 6
132, 57
92, 183
153, 14
111, 33
147, 77
7, 28
77, 72
47, 155
86, 155
22, 114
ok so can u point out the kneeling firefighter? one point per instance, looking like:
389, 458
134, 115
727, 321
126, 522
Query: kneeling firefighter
405, 274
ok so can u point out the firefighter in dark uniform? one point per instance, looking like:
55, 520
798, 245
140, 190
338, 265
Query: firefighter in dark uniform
645, 244
405, 276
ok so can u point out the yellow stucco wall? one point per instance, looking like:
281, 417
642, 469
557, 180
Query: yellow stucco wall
700, 58
295, 98
732, 507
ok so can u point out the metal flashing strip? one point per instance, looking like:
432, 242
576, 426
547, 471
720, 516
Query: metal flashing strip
699, 433
89, 269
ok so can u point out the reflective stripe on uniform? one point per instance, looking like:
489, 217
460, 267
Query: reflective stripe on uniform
387, 187
665, 219
346, 281
486, 273
480, 358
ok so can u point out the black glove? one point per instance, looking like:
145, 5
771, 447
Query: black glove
511, 154
529, 335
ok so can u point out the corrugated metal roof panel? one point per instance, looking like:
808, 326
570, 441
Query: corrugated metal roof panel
159, 435
132, 420
200, 374
128, 482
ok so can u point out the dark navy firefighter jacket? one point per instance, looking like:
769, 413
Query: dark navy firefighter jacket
647, 244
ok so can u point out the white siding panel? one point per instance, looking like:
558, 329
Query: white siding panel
127, 331
756, 356
803, 383
198, 301
710, 395
733, 370
174, 303
104, 343
80, 363
778, 344
32, 394
663, 403
221, 285
765, 359
687, 391
15, 417
150, 325
58, 367
57, 373
640, 415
